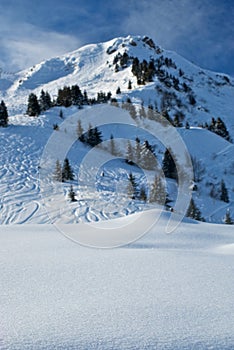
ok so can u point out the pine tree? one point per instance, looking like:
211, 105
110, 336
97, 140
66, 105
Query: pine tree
169, 166
223, 192
33, 108
3, 114
228, 220
97, 136
67, 172
45, 101
148, 159
221, 130
132, 187
72, 194
158, 192
194, 212
61, 114
143, 194
79, 129
129, 155
58, 171
137, 151
118, 91
113, 149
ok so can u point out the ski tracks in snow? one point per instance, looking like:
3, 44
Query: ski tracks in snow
18, 179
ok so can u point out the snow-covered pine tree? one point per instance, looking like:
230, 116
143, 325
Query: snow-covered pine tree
143, 194
137, 151
3, 114
79, 129
228, 219
147, 160
113, 149
129, 154
132, 187
194, 212
158, 193
58, 171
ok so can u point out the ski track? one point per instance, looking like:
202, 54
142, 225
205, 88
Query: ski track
18, 179
21, 202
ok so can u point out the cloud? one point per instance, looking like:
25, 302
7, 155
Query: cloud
29, 45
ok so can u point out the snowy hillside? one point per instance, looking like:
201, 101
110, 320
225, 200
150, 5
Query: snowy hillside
93, 68
187, 93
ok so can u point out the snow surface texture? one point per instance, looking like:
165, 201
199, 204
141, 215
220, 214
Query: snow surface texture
160, 292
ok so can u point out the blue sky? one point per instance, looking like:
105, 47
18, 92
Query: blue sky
200, 30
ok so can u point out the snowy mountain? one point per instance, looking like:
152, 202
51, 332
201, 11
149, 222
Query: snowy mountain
186, 92
156, 291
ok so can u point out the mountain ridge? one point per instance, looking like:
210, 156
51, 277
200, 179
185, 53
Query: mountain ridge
92, 68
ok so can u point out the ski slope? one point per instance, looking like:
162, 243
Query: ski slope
25, 141
160, 292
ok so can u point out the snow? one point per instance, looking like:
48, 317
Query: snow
160, 292
156, 290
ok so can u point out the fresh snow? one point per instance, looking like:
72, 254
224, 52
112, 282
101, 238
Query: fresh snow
160, 292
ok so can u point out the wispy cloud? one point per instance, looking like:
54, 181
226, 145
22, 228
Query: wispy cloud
29, 45
200, 30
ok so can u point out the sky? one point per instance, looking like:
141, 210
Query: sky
200, 30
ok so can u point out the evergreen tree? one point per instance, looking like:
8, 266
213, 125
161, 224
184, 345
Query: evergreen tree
45, 101
142, 112
143, 194
228, 220
194, 212
129, 155
58, 171
72, 194
97, 136
169, 166
118, 91
3, 114
148, 159
158, 192
113, 149
33, 108
67, 172
221, 130
61, 114
79, 129
137, 151
223, 192
132, 187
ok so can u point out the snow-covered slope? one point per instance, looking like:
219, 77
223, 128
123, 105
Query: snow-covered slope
159, 292
171, 292
92, 68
